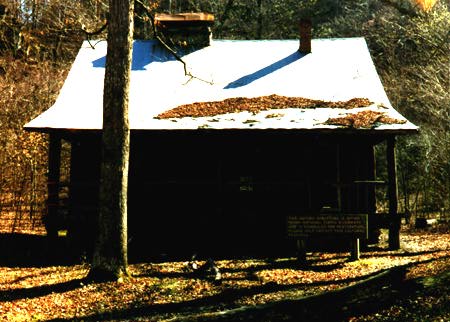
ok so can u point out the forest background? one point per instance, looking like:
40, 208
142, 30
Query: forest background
408, 41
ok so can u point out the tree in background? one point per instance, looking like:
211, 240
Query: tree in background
38, 42
426, 5
110, 254
47, 30
408, 40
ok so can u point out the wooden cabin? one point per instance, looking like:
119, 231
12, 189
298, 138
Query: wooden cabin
229, 181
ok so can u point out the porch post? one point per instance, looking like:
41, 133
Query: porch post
371, 200
54, 162
394, 219
371, 176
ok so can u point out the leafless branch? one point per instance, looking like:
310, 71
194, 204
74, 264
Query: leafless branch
89, 34
166, 46
401, 9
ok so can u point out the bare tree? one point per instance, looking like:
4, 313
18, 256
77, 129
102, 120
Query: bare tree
110, 254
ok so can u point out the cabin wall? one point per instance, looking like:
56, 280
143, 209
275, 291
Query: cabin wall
83, 191
357, 175
224, 191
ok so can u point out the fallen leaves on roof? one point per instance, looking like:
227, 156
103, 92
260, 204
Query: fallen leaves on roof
256, 104
363, 119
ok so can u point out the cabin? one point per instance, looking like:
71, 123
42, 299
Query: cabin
229, 142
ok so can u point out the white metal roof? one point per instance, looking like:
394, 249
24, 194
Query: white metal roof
336, 70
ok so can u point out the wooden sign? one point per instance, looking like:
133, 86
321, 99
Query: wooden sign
349, 225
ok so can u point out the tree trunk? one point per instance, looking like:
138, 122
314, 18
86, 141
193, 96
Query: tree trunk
110, 254
259, 28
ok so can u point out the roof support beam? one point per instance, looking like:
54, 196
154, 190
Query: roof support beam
370, 189
394, 225
54, 163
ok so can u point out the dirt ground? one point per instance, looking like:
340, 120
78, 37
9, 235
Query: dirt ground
410, 284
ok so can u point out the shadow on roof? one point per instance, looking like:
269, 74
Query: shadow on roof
146, 52
247, 79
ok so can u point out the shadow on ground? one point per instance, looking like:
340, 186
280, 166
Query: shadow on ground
22, 250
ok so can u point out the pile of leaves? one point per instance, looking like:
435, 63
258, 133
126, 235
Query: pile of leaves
170, 290
255, 105
364, 119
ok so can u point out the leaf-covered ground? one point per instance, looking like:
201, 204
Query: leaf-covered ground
170, 291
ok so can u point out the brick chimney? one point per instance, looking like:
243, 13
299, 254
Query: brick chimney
305, 36
185, 29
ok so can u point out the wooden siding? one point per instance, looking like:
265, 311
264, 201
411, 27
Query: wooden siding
225, 190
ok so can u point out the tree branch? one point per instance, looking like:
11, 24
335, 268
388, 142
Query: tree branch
166, 46
401, 9
163, 43
226, 13
96, 32
89, 34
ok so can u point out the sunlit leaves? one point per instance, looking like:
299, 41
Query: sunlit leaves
47, 293
426, 5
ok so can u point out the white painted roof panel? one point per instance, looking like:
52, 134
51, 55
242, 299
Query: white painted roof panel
336, 70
